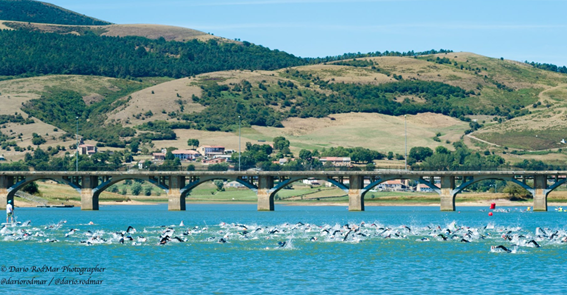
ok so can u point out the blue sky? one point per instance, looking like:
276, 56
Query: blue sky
533, 30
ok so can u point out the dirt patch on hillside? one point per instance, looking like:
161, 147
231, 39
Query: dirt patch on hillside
169, 33
346, 74
92, 98
160, 100
4, 27
373, 131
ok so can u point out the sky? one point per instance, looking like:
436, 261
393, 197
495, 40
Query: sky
532, 30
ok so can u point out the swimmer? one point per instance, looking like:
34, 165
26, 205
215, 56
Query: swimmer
164, 241
500, 248
533, 244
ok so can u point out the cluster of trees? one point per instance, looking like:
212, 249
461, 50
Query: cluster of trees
34, 53
462, 158
263, 156
548, 67
16, 118
355, 63
64, 108
265, 104
40, 12
45, 160
377, 54
357, 154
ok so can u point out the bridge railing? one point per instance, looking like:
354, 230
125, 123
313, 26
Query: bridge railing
351, 168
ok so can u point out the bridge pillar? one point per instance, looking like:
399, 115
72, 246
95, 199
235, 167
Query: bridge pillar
175, 199
265, 197
89, 199
5, 183
447, 198
540, 196
355, 195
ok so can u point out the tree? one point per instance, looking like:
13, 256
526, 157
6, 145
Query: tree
513, 190
305, 155
148, 191
219, 184
193, 142
169, 156
31, 188
218, 167
136, 189
191, 167
38, 140
113, 189
420, 153
134, 146
280, 143
441, 150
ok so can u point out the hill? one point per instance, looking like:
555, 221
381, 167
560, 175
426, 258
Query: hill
203, 87
318, 106
41, 12
154, 32
34, 53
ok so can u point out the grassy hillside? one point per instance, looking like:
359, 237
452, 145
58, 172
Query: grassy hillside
93, 93
314, 105
41, 12
154, 32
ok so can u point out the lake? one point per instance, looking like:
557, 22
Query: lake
234, 249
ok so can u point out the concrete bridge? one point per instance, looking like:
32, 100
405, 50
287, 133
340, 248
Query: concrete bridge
267, 183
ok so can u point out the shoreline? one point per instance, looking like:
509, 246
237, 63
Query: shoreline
481, 203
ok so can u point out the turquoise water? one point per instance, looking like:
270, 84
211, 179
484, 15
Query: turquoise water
379, 256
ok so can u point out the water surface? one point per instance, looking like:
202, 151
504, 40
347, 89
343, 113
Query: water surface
254, 263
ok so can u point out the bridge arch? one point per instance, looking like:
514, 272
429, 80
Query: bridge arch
476, 179
109, 182
12, 190
273, 191
381, 180
196, 182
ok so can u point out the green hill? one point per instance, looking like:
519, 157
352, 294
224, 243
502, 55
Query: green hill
160, 91
34, 53
41, 12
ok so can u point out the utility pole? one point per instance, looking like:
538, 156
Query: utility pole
239, 134
77, 154
406, 136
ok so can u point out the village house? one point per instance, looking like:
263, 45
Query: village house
186, 155
393, 185
336, 161
233, 184
87, 149
312, 181
424, 188
209, 151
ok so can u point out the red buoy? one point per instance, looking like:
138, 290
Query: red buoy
493, 206
489, 213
